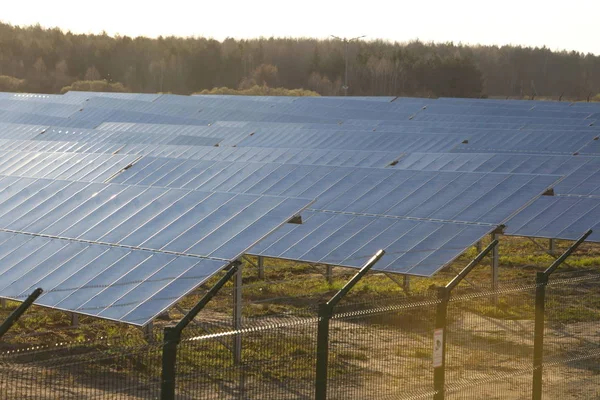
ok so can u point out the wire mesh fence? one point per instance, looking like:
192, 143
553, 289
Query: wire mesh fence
103, 369
490, 337
381, 348
571, 367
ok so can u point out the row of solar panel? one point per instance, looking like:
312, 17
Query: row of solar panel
357, 210
199, 110
583, 174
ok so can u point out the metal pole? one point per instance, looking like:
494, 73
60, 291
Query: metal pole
495, 263
439, 344
540, 305
325, 314
538, 343
406, 284
329, 274
478, 246
261, 268
172, 337
15, 315
237, 316
551, 246
567, 253
441, 320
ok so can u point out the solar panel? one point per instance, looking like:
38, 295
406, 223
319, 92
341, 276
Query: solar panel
486, 118
372, 141
582, 174
491, 162
558, 217
118, 221
39, 107
534, 142
20, 131
96, 116
97, 136
82, 96
412, 247
66, 166
130, 286
452, 196
38, 119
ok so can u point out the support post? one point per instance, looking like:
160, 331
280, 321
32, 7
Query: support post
237, 316
441, 321
329, 274
261, 268
171, 340
495, 263
478, 246
325, 315
439, 344
15, 315
172, 337
551, 246
406, 284
148, 332
538, 341
540, 309
74, 320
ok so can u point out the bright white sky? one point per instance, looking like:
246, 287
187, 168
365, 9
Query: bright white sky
570, 25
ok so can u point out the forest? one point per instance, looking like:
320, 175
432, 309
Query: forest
35, 59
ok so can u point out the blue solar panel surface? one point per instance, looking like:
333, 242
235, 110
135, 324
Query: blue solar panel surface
422, 178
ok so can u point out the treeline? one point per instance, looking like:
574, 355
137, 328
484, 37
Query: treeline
48, 60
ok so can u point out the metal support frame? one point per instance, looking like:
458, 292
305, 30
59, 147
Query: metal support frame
329, 274
441, 320
540, 308
478, 246
15, 315
148, 329
404, 284
532, 240
206, 328
551, 246
237, 315
495, 262
74, 320
325, 315
172, 336
261, 267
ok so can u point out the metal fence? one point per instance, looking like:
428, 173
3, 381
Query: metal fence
386, 349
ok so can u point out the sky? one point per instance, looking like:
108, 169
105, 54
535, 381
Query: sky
571, 25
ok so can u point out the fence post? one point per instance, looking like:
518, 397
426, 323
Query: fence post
439, 344
441, 323
15, 315
172, 336
171, 339
325, 315
541, 281
325, 312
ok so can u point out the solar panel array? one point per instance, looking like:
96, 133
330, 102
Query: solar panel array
133, 200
